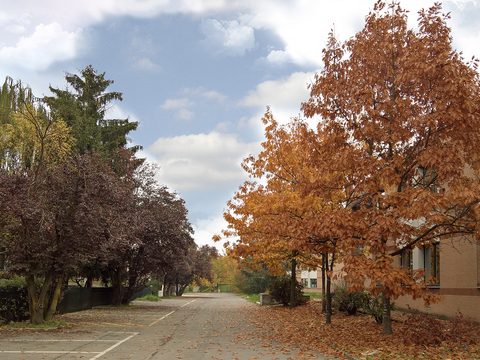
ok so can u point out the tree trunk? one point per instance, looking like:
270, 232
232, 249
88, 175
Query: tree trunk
293, 281
329, 301
165, 286
168, 288
36, 305
117, 288
324, 271
329, 288
181, 290
386, 319
2, 258
131, 288
32, 293
55, 297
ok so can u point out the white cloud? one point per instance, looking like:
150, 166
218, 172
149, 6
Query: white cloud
224, 126
201, 162
462, 3
14, 19
277, 57
302, 26
184, 114
284, 97
205, 229
15, 28
228, 37
181, 105
207, 94
48, 44
170, 104
286, 92
213, 95
146, 64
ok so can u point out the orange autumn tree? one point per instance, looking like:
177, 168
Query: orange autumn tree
274, 220
401, 110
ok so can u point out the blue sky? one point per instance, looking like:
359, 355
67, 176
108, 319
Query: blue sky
196, 74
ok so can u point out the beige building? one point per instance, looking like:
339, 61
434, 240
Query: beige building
455, 262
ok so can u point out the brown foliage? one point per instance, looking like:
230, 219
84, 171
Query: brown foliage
393, 164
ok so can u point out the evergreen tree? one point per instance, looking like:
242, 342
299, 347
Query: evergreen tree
84, 111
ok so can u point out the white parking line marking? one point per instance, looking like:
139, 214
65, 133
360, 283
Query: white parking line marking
187, 303
47, 352
69, 340
163, 317
113, 346
58, 340
171, 312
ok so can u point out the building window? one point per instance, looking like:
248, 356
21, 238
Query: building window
431, 261
313, 283
305, 282
427, 178
407, 259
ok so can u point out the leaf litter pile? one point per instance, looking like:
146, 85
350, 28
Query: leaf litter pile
359, 336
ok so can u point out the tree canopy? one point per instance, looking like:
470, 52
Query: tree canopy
75, 201
85, 112
394, 160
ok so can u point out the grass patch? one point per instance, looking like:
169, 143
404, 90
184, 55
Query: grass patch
252, 297
313, 295
122, 306
50, 324
149, 298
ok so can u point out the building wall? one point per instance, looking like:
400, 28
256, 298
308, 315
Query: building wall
478, 265
467, 305
337, 270
459, 281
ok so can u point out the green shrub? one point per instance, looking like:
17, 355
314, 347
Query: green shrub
156, 286
346, 301
373, 305
13, 300
279, 290
257, 281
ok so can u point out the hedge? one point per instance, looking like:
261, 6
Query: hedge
13, 300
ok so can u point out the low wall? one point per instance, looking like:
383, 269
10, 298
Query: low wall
467, 305
77, 298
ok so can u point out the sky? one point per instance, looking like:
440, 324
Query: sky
196, 74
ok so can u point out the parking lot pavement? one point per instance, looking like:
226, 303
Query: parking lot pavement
48, 345
211, 326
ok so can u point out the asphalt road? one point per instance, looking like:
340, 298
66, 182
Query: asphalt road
206, 326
